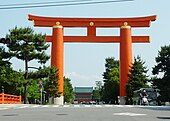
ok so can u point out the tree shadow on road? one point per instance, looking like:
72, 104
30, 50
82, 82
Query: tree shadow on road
164, 117
162, 108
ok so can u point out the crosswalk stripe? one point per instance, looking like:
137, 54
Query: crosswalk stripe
22, 107
119, 105
87, 106
65, 106
35, 106
55, 106
129, 114
108, 105
3, 108
45, 106
76, 106
129, 106
97, 106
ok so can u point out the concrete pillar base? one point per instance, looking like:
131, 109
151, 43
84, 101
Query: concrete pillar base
59, 100
122, 100
51, 100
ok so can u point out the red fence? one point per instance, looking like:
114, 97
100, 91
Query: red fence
9, 99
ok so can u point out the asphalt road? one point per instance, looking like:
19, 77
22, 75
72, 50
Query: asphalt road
83, 113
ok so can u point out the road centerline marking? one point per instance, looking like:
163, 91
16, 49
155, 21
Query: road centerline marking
129, 114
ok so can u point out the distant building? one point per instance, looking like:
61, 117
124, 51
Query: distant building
83, 94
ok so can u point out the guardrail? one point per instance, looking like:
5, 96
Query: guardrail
9, 99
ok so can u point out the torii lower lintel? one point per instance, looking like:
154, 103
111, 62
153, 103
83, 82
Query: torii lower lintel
100, 39
125, 39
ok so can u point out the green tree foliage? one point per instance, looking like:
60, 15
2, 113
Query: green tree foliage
4, 65
51, 84
33, 91
68, 91
27, 46
163, 68
11, 80
4, 57
137, 78
97, 93
49, 77
110, 90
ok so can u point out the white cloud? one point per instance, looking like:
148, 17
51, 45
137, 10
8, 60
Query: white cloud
82, 80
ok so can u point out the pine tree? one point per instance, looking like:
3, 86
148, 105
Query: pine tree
110, 90
27, 46
10, 79
163, 67
49, 78
51, 85
68, 91
137, 78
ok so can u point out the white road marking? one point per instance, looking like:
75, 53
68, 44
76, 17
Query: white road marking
108, 105
87, 106
9, 106
45, 106
65, 106
129, 106
55, 106
76, 106
98, 106
119, 106
4, 108
25, 106
35, 106
129, 114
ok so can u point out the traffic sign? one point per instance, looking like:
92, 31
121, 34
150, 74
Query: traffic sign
40, 82
40, 86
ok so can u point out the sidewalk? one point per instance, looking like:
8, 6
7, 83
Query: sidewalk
7, 106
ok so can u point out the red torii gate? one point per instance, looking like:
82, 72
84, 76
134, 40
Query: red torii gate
125, 39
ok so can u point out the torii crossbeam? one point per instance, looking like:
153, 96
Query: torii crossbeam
125, 39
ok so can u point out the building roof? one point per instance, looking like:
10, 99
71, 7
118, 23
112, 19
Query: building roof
83, 89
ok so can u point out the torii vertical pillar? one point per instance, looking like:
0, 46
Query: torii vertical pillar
125, 58
57, 59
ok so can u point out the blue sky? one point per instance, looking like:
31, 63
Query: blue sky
84, 62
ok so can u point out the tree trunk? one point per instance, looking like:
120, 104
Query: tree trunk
26, 83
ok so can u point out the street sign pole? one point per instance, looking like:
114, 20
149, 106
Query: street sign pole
40, 86
41, 95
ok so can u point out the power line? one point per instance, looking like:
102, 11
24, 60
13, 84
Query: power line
41, 3
30, 5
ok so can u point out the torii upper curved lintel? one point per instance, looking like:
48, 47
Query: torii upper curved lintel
85, 22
